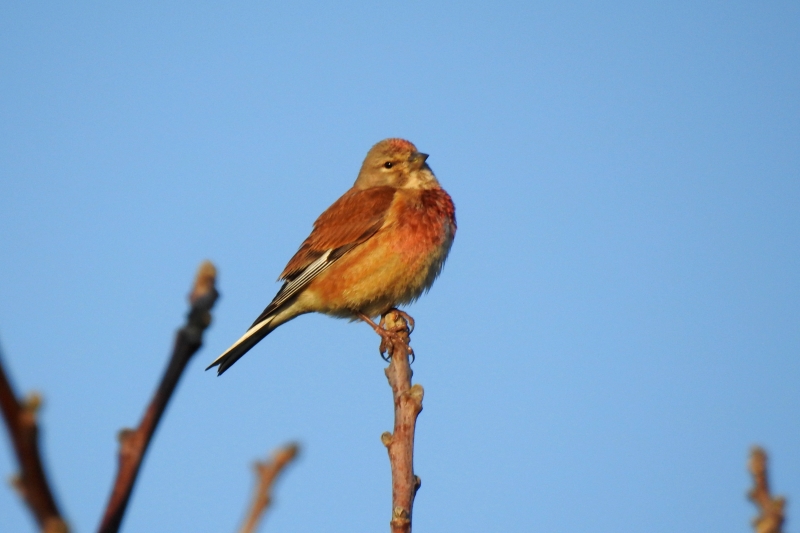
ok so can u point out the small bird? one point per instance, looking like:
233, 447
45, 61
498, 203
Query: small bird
381, 245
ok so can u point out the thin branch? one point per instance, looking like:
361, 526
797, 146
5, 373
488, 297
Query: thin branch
407, 406
267, 473
134, 443
31, 483
771, 509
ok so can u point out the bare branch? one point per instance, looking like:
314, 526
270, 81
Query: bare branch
31, 483
771, 510
407, 406
134, 443
267, 474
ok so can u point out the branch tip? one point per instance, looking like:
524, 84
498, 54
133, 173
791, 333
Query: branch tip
204, 282
267, 473
32, 403
771, 509
135, 442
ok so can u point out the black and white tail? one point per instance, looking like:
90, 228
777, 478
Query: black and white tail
257, 332
279, 310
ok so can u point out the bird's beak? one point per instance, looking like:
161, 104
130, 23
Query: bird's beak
418, 158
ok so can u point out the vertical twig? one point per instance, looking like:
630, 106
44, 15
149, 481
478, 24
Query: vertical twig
31, 482
407, 406
267, 473
771, 514
134, 443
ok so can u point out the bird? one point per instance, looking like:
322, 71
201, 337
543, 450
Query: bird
381, 245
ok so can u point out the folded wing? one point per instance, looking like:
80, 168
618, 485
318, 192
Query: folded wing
350, 221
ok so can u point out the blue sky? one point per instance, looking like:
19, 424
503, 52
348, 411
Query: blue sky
616, 325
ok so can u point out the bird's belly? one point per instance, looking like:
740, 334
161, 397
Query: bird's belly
391, 269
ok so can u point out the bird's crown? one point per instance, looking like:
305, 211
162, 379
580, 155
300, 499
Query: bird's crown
398, 145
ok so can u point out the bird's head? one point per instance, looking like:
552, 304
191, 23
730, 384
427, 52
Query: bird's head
396, 163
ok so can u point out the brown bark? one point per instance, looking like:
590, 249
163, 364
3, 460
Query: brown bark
134, 443
407, 406
31, 482
267, 473
771, 509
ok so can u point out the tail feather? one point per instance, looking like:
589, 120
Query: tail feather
243, 345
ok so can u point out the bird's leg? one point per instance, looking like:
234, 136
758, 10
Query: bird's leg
387, 337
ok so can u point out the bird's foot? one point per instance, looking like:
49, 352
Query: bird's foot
409, 322
408, 318
386, 335
389, 335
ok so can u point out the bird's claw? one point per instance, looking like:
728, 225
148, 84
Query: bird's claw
387, 344
389, 335
387, 341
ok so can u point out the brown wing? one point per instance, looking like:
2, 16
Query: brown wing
351, 220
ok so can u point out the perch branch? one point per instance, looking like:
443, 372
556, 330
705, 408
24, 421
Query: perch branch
267, 473
771, 514
407, 406
31, 482
134, 443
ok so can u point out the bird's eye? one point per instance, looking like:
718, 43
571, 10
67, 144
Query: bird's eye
388, 164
